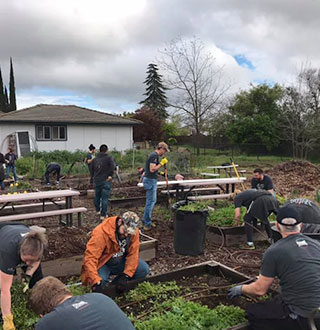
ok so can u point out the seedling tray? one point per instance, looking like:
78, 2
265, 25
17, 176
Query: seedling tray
71, 266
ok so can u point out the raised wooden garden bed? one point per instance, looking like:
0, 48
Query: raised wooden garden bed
71, 266
228, 236
206, 283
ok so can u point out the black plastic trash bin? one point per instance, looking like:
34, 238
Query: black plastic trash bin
189, 231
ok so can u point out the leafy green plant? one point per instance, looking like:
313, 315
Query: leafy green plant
224, 217
194, 207
190, 315
24, 318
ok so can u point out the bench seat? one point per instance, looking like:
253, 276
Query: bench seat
173, 191
208, 197
27, 216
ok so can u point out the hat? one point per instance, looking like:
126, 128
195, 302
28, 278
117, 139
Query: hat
163, 145
130, 221
288, 212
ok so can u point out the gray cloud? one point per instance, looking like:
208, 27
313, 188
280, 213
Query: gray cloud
89, 53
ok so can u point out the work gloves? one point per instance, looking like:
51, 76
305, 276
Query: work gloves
98, 288
121, 282
164, 161
235, 292
8, 322
25, 281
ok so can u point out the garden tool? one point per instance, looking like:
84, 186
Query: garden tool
237, 174
117, 174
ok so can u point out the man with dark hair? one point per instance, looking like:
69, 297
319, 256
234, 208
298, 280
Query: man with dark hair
51, 169
261, 181
59, 310
294, 260
259, 204
113, 249
102, 169
149, 181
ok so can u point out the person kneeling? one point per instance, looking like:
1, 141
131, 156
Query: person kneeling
113, 249
58, 309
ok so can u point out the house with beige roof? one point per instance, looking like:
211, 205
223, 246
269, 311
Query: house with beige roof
47, 127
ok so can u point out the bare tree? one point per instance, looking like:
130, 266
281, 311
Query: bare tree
301, 112
195, 79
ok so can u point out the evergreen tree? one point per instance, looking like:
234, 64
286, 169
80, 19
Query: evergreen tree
2, 97
156, 99
6, 100
12, 90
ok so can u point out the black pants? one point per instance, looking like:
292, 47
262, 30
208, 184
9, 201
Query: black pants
275, 315
250, 222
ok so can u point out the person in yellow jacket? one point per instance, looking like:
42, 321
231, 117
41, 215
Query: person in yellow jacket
113, 249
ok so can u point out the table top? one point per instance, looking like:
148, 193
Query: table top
38, 195
199, 182
222, 167
210, 174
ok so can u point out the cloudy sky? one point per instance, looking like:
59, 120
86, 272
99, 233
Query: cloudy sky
95, 53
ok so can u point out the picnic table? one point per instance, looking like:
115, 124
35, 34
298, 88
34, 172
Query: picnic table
43, 196
227, 168
181, 185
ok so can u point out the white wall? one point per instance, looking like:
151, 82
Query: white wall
78, 137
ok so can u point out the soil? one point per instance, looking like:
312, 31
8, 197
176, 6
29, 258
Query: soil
296, 178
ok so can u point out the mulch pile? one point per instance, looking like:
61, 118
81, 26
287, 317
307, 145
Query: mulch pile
295, 178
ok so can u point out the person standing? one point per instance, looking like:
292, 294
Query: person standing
113, 249
149, 181
52, 168
294, 261
11, 158
259, 204
58, 309
102, 169
261, 181
89, 159
2, 175
19, 246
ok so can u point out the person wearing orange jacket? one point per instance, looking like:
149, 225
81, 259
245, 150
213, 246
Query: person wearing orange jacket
113, 249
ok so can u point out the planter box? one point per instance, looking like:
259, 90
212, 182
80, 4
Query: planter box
228, 236
71, 266
208, 268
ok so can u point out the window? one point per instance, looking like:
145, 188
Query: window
51, 133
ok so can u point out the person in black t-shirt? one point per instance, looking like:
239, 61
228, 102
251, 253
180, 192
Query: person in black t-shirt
149, 180
294, 260
19, 246
10, 158
2, 174
261, 181
88, 160
51, 169
59, 310
259, 204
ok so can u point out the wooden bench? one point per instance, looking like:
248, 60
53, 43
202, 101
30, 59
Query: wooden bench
210, 174
206, 197
27, 216
173, 191
33, 206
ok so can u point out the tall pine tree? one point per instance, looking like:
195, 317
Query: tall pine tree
12, 89
2, 97
156, 99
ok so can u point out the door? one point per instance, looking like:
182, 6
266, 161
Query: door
23, 143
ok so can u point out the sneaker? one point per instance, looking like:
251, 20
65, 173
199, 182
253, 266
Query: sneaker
97, 212
146, 228
153, 225
102, 218
247, 247
58, 182
48, 184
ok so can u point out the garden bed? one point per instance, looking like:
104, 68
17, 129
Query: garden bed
199, 292
71, 265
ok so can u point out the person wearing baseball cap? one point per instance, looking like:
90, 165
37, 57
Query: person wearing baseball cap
113, 249
295, 261
149, 181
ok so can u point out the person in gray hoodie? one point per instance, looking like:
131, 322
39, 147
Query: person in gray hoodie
102, 168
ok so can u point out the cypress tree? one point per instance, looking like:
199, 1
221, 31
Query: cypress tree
2, 97
12, 89
156, 99
6, 100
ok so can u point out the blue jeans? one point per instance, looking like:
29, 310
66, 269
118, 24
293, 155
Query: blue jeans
116, 266
102, 193
14, 171
150, 185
